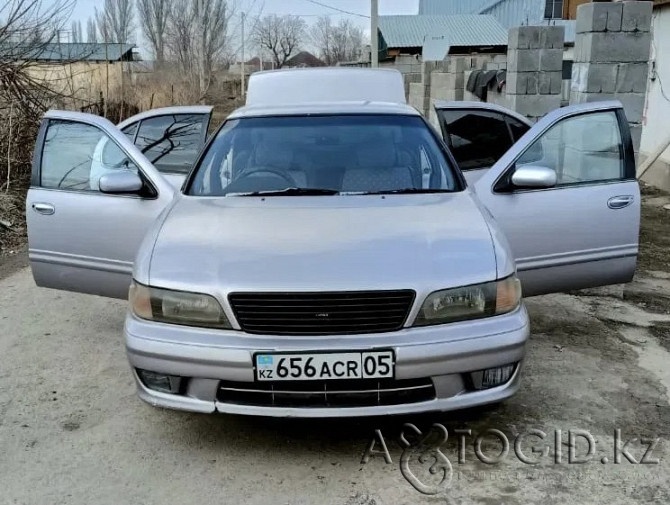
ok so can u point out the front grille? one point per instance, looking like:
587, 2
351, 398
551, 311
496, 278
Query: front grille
342, 393
341, 313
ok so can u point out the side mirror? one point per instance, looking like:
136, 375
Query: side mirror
533, 176
124, 181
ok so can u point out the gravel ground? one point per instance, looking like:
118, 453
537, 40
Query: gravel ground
72, 430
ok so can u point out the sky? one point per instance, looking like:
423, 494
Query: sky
309, 10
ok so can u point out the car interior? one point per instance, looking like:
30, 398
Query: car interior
258, 160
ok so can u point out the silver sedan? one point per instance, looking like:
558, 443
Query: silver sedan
336, 257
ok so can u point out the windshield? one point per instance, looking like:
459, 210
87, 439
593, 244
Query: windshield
323, 155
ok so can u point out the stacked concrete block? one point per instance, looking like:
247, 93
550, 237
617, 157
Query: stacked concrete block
534, 69
420, 92
612, 57
407, 64
419, 97
408, 79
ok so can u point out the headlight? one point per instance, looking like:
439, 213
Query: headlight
470, 302
177, 307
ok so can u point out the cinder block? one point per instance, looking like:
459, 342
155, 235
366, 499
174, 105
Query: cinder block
632, 77
532, 83
613, 47
515, 83
594, 77
534, 105
441, 80
459, 63
535, 60
524, 37
552, 37
637, 16
549, 83
524, 60
551, 60
599, 17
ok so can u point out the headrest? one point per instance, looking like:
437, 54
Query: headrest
273, 155
377, 156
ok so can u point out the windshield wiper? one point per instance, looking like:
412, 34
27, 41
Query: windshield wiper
291, 192
406, 191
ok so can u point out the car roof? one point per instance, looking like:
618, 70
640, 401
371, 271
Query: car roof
328, 84
325, 108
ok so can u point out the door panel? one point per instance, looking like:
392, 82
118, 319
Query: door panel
584, 231
79, 238
479, 133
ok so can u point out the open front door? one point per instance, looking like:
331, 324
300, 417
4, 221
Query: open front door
93, 196
479, 133
567, 200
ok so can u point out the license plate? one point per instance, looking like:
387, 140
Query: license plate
304, 367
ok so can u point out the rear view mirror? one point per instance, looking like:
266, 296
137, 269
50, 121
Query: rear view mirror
121, 182
534, 176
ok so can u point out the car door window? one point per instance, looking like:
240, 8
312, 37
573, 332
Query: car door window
76, 155
517, 128
477, 138
581, 149
130, 131
172, 142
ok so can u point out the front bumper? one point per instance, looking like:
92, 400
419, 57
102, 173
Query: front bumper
445, 353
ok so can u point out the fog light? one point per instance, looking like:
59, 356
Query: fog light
492, 377
160, 382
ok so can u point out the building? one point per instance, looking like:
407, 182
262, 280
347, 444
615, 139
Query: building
655, 132
304, 59
433, 37
79, 70
511, 13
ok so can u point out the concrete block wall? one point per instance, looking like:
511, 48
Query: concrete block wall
534, 69
449, 77
420, 92
612, 51
445, 80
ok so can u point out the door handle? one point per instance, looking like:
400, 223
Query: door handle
620, 202
44, 208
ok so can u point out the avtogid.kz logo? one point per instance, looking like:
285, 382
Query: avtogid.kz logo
418, 451
426, 467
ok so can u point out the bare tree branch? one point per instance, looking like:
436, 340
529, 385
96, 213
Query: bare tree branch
280, 35
198, 34
91, 31
337, 43
154, 16
116, 21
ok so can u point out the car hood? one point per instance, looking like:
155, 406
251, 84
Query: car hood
328, 243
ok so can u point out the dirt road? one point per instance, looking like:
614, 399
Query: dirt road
73, 432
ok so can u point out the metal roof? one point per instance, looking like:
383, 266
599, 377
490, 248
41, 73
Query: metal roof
509, 13
461, 30
57, 52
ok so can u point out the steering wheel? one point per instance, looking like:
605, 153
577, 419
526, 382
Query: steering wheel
269, 170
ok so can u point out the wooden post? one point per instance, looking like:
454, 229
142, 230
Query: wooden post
107, 79
9, 147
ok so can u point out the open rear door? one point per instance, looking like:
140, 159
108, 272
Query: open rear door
170, 137
479, 133
566, 198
